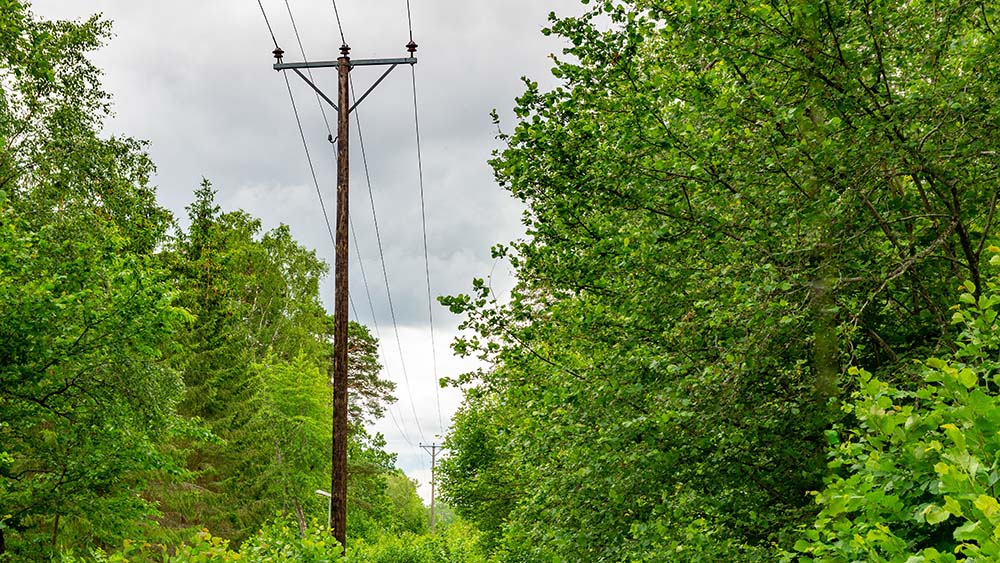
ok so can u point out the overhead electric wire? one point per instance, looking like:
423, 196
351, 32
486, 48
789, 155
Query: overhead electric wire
385, 271
322, 110
409, 20
423, 225
374, 213
423, 217
364, 276
312, 170
378, 335
268, 22
336, 13
305, 59
398, 426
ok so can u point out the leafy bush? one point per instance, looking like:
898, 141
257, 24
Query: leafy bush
919, 472
278, 541
457, 544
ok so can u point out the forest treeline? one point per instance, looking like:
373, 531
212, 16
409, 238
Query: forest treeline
755, 317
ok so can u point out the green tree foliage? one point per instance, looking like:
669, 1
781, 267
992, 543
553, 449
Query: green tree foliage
726, 203
285, 444
411, 514
256, 365
917, 472
87, 308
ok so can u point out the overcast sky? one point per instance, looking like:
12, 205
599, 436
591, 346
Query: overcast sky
194, 78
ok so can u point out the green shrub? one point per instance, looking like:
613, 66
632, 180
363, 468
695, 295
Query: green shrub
458, 543
918, 475
278, 541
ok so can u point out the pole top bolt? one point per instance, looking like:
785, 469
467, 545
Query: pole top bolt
278, 53
344, 50
411, 47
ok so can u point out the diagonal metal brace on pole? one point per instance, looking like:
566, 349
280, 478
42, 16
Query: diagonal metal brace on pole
373, 86
318, 91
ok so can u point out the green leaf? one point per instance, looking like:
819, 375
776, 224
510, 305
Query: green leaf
987, 504
970, 531
968, 378
935, 515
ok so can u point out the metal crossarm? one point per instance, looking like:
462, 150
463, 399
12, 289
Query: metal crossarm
354, 63
392, 63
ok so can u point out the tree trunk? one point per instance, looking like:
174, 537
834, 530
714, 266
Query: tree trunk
55, 532
301, 517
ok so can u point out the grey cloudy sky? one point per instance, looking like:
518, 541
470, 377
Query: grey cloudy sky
194, 78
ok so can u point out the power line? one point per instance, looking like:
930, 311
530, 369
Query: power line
298, 39
378, 333
364, 276
372, 201
268, 22
402, 432
353, 308
427, 266
302, 135
336, 13
312, 172
302, 49
385, 272
312, 169
409, 20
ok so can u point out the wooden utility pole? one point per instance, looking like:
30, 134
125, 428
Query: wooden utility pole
344, 64
338, 474
433, 450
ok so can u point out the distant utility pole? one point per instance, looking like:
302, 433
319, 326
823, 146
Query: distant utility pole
344, 65
432, 449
